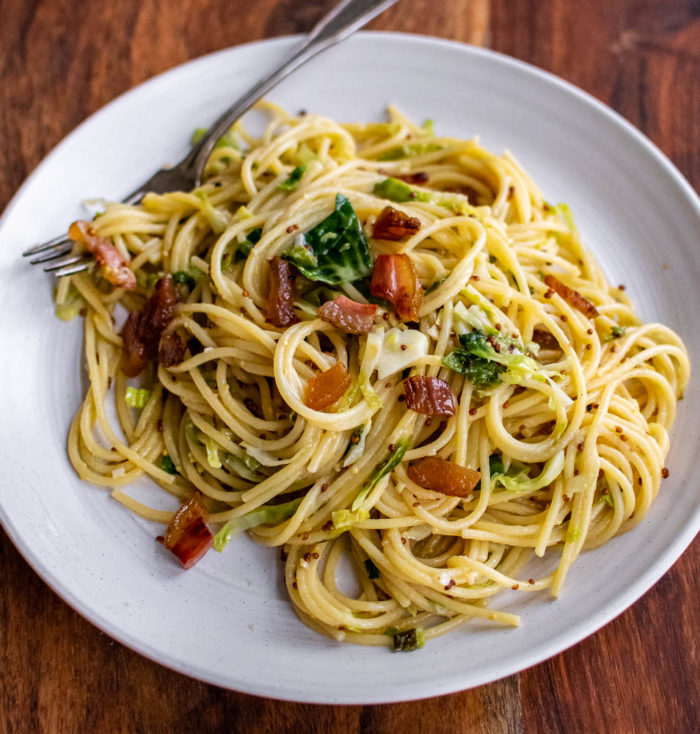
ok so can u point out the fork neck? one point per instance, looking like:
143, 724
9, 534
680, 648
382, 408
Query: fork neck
343, 20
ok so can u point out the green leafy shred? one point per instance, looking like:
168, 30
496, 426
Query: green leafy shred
516, 473
189, 277
243, 213
496, 464
147, 280
293, 180
482, 372
305, 155
225, 141
344, 519
410, 639
517, 478
217, 218
495, 467
71, 306
399, 191
564, 212
382, 469
615, 333
607, 498
213, 458
409, 150
137, 397
197, 135
335, 250
244, 248
372, 570
246, 467
358, 439
428, 127
167, 465
435, 285
239, 251
484, 364
475, 317
302, 256
263, 515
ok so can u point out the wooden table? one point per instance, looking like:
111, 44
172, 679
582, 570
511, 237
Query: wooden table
60, 60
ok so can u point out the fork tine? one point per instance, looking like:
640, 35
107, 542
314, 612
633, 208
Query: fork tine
44, 246
52, 255
65, 264
71, 269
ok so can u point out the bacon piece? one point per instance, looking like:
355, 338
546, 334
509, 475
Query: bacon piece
188, 536
136, 353
142, 330
394, 278
443, 476
420, 177
545, 340
348, 315
394, 225
572, 297
429, 395
171, 349
116, 269
324, 389
280, 304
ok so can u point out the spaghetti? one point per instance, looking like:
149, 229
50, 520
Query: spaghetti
495, 397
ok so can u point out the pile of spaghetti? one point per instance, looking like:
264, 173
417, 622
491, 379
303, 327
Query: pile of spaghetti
372, 343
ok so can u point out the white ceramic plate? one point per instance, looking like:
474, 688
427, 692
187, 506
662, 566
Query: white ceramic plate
227, 621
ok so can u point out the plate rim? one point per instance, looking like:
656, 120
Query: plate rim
449, 683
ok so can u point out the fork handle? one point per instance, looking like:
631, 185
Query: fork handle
343, 20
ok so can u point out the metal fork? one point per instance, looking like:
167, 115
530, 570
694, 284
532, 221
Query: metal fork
343, 20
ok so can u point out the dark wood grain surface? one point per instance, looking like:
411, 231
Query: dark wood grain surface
60, 60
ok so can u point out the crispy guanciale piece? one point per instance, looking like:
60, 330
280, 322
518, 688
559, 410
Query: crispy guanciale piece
444, 476
188, 536
572, 297
116, 269
545, 340
324, 389
429, 395
143, 329
280, 304
171, 349
394, 278
394, 225
348, 315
